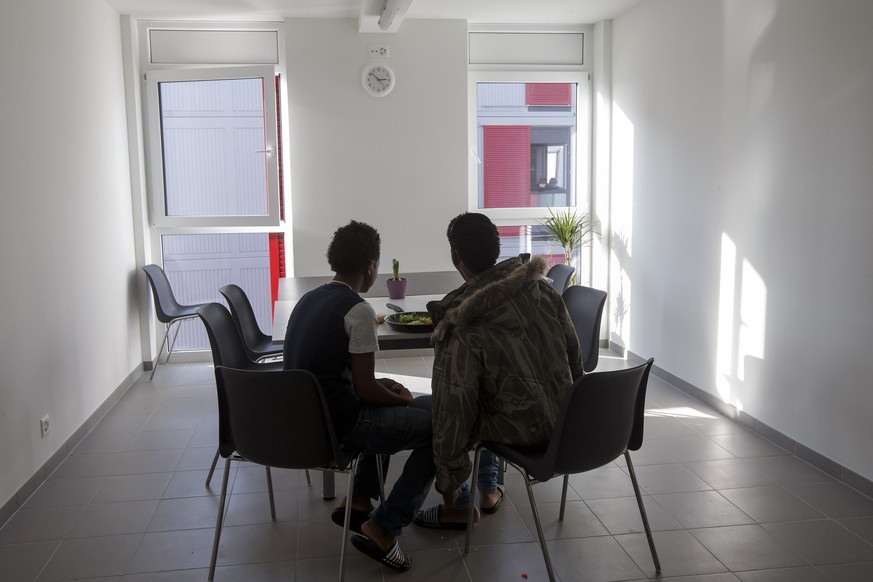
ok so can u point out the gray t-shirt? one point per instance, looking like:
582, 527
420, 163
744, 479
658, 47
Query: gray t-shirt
360, 324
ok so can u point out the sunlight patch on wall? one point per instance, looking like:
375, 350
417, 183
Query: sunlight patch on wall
742, 316
622, 223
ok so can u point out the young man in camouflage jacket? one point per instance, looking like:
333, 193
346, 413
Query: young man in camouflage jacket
505, 354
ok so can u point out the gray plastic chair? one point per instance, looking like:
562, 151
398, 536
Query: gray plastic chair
560, 275
227, 350
601, 420
257, 344
585, 306
276, 419
167, 309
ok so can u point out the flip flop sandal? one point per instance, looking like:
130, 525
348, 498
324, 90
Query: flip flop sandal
496, 506
393, 558
430, 517
356, 519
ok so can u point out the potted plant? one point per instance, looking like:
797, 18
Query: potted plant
570, 230
397, 285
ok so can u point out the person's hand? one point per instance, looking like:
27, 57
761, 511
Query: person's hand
397, 388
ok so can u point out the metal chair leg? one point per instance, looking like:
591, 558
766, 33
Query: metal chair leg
649, 537
178, 323
160, 351
564, 497
536, 516
381, 478
221, 504
270, 491
212, 468
471, 511
346, 521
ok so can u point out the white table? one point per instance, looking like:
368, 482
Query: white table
389, 339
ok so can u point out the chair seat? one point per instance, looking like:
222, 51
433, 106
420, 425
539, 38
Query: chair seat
532, 458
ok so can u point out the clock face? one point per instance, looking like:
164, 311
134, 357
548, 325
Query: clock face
378, 80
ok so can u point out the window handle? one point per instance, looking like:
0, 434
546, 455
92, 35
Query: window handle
268, 151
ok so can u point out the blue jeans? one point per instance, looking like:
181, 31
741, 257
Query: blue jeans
486, 479
387, 430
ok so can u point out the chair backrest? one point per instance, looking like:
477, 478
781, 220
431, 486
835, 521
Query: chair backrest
224, 338
560, 275
166, 306
244, 317
585, 306
602, 418
274, 418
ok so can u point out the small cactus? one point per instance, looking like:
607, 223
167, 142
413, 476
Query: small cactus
395, 265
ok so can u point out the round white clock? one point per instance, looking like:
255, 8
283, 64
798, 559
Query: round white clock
378, 79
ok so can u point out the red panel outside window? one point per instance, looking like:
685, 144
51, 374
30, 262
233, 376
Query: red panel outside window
277, 264
507, 166
547, 93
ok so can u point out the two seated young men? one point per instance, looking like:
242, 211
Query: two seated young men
505, 353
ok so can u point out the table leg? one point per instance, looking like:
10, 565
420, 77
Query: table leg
328, 490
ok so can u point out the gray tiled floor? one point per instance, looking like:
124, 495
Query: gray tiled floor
726, 505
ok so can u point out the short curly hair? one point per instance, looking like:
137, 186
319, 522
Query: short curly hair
475, 240
353, 247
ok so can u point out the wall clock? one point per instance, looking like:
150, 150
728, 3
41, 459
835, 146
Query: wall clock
378, 79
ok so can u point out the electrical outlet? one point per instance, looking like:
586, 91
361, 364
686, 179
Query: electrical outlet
44, 426
378, 52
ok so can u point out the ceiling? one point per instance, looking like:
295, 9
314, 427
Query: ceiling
473, 11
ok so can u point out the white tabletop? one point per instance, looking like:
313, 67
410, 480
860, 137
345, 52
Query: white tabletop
388, 338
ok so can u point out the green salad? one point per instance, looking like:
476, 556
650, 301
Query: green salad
413, 319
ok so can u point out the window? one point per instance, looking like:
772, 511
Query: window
213, 144
213, 156
530, 152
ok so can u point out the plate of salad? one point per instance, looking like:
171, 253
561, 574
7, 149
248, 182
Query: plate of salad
410, 321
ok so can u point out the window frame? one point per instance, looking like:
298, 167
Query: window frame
158, 217
531, 215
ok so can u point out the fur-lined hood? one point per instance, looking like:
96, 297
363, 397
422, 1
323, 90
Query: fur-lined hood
491, 289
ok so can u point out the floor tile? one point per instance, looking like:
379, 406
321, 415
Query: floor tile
661, 451
508, 562
679, 553
579, 521
747, 547
597, 559
748, 444
61, 492
670, 478
702, 509
834, 499
771, 503
40, 524
90, 558
132, 487
804, 574
848, 572
621, 515
22, 562
172, 550
111, 519
608, 481
861, 526
729, 473
822, 541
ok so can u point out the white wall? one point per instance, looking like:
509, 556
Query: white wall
743, 178
69, 334
397, 162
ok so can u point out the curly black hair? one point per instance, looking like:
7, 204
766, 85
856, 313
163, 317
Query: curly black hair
475, 240
353, 247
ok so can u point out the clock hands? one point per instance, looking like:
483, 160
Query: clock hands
378, 79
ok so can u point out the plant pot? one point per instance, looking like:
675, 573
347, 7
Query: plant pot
396, 288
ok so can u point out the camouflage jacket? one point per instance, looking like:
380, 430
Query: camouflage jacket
505, 354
